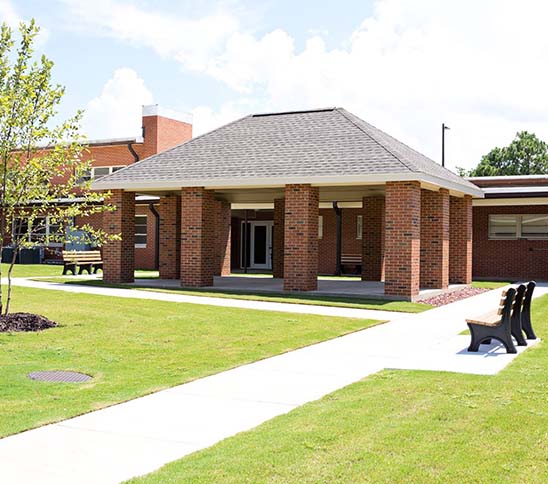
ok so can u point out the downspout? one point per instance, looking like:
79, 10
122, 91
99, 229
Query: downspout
132, 151
155, 213
338, 214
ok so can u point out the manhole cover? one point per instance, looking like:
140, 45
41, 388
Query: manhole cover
59, 376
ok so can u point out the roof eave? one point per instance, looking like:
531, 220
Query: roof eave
270, 182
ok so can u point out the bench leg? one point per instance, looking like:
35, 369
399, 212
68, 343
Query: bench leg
527, 327
85, 267
69, 268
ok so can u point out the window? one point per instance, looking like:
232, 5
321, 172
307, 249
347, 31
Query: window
100, 171
141, 231
534, 226
503, 226
518, 226
320, 227
359, 226
42, 229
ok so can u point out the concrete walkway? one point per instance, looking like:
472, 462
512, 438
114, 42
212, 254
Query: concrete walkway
137, 437
209, 300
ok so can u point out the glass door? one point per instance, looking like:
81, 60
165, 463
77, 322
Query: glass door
261, 245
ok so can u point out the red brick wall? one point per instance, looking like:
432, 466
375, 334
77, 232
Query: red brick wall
119, 255
301, 238
223, 231
197, 237
278, 238
169, 209
460, 240
327, 263
162, 133
402, 239
373, 239
434, 245
508, 259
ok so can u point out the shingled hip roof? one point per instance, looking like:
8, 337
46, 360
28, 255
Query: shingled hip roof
322, 147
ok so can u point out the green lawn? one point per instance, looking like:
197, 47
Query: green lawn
397, 427
31, 270
490, 284
134, 347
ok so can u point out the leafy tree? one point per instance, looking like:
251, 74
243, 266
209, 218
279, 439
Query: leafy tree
525, 155
41, 163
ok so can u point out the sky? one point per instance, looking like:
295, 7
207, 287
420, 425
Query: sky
405, 66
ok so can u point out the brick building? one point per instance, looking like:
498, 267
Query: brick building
161, 129
297, 193
511, 228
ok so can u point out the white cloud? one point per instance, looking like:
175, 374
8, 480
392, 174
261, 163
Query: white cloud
8, 13
190, 41
478, 66
116, 112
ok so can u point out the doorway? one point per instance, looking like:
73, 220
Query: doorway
260, 244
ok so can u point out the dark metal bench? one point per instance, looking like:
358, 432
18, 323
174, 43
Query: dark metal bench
495, 325
526, 311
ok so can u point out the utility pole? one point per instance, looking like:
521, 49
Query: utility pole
443, 128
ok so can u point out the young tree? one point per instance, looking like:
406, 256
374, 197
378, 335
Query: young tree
525, 155
41, 164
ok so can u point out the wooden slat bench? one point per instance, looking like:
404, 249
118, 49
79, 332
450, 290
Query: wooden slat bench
351, 260
499, 324
86, 260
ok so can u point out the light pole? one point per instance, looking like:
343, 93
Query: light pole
443, 128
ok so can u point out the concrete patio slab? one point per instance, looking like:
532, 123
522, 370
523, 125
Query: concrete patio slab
258, 283
137, 437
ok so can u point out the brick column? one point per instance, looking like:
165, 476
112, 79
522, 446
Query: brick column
222, 237
301, 238
197, 237
373, 239
402, 239
434, 246
119, 255
278, 238
169, 209
460, 240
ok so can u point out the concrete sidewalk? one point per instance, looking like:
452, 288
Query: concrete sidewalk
210, 300
137, 437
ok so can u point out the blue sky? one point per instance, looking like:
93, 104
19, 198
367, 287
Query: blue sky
405, 66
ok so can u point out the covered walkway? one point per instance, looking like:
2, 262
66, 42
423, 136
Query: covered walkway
416, 230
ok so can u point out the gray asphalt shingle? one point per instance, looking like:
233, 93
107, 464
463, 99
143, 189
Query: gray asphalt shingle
329, 142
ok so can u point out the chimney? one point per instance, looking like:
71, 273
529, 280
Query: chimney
163, 129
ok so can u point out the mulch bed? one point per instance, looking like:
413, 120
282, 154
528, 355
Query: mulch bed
24, 322
449, 297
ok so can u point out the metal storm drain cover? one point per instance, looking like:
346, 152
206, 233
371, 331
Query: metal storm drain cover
59, 376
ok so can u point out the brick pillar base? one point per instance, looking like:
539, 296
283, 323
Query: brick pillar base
373, 239
169, 209
402, 239
119, 255
222, 237
278, 238
460, 240
197, 237
301, 238
434, 246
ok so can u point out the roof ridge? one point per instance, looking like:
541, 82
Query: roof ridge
348, 117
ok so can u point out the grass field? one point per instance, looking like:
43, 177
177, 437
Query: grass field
134, 347
397, 427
